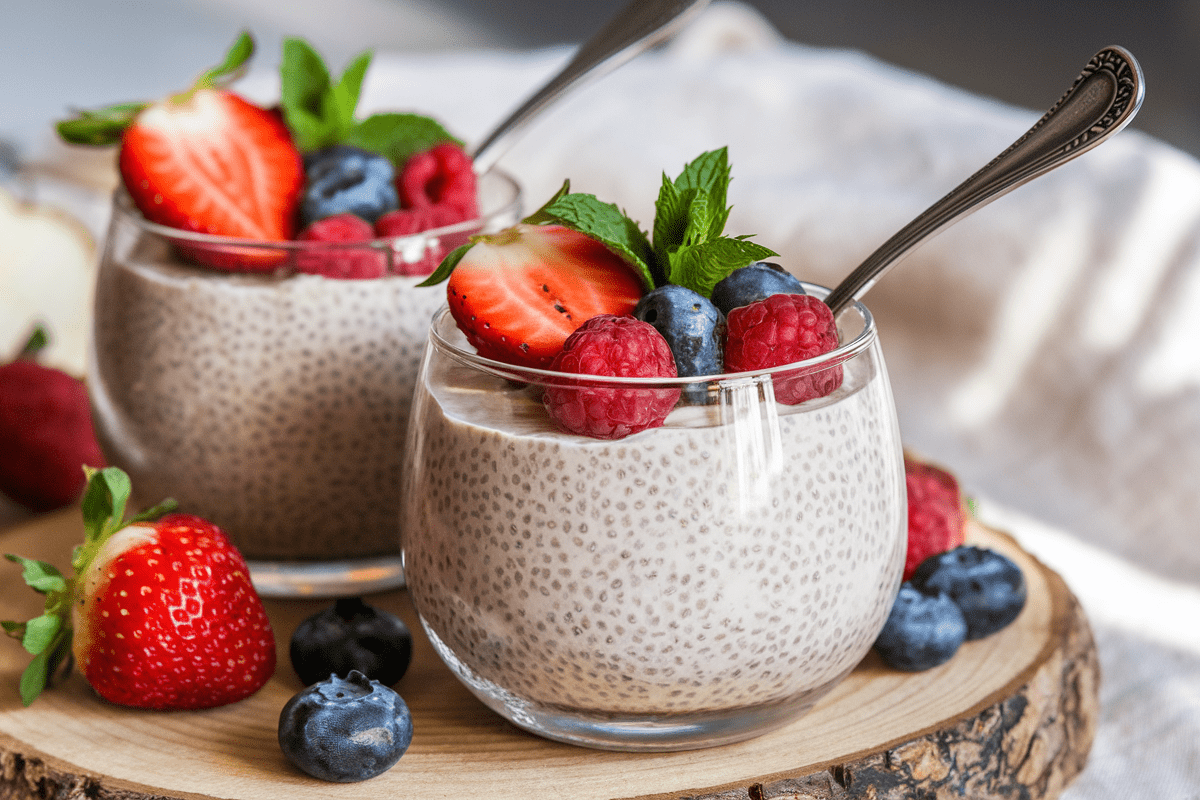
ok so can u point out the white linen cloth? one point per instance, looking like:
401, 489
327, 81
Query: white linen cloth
1043, 349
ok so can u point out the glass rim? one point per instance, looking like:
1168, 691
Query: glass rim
123, 206
839, 355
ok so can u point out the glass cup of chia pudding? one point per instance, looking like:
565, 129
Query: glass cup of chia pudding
694, 584
272, 403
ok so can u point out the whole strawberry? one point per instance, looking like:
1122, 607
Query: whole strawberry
936, 518
159, 615
46, 432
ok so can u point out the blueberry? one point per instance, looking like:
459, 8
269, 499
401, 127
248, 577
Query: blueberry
753, 282
345, 730
987, 586
345, 179
694, 330
351, 635
921, 632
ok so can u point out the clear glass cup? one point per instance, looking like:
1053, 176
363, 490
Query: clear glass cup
693, 584
273, 403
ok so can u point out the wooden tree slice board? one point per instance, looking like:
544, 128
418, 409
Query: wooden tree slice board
1012, 715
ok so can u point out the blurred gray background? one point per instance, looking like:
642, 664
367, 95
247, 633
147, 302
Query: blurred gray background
1024, 52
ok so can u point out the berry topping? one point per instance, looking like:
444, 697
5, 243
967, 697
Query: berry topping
208, 161
213, 163
921, 632
46, 432
442, 175
340, 262
347, 180
692, 326
518, 294
751, 283
783, 329
345, 730
159, 615
408, 221
936, 519
616, 346
986, 585
351, 635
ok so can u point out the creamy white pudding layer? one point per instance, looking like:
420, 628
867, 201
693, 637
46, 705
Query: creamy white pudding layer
275, 407
651, 575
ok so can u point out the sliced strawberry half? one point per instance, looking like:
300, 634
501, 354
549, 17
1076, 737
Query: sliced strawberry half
518, 294
214, 163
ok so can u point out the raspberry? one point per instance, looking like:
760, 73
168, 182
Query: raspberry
783, 329
407, 221
611, 345
935, 513
347, 263
46, 435
441, 175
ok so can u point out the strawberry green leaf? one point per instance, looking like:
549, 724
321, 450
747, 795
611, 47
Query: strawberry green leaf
44, 665
398, 136
154, 512
38, 339
102, 126
699, 267
234, 65
104, 499
16, 630
39, 575
447, 266
606, 223
40, 632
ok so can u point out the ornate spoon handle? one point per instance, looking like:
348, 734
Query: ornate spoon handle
636, 28
1102, 101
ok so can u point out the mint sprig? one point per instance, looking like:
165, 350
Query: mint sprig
689, 247
47, 637
320, 111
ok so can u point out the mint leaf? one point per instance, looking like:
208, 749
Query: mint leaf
709, 173
670, 219
347, 90
541, 217
306, 96
39, 575
609, 225
399, 136
699, 267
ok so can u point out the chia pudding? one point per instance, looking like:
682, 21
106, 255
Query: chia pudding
728, 560
273, 405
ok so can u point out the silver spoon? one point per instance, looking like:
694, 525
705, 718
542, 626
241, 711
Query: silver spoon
635, 29
1102, 101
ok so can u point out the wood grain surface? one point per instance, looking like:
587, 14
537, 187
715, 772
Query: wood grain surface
1012, 715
